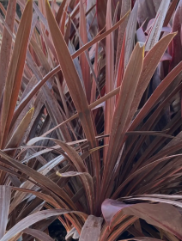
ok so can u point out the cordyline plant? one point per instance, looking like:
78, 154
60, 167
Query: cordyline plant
90, 119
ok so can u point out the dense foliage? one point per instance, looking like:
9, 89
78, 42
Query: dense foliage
90, 119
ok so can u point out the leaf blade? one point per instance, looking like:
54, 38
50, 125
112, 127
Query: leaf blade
91, 229
5, 196
16, 67
6, 44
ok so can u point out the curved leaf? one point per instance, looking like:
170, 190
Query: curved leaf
158, 215
44, 181
34, 218
87, 182
38, 234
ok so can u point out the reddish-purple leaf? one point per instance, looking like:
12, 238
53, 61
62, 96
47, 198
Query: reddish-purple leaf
109, 85
157, 25
156, 95
57, 68
13, 82
6, 44
37, 234
147, 10
142, 239
44, 181
125, 7
83, 60
91, 229
122, 110
158, 215
34, 218
5, 197
88, 184
60, 11
110, 208
149, 66
170, 12
176, 43
101, 12
75, 88
17, 136
130, 34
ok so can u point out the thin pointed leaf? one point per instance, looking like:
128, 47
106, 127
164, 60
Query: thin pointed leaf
38, 234
15, 72
126, 95
170, 12
126, 6
69, 72
31, 219
5, 197
19, 197
149, 66
130, 34
87, 182
75, 88
83, 60
72, 154
40, 195
44, 181
176, 43
60, 11
156, 95
19, 132
101, 7
142, 239
6, 44
158, 24
57, 68
158, 215
109, 85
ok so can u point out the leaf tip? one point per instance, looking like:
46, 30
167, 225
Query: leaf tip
31, 111
142, 46
175, 33
47, 3
58, 173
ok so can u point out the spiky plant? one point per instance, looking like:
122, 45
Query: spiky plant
102, 149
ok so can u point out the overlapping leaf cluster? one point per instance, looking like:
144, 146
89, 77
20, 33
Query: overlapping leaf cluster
90, 119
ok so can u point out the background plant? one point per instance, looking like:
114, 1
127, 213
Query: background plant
90, 119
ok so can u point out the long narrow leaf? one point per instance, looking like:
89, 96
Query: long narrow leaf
6, 44
83, 60
5, 197
158, 215
75, 88
31, 219
15, 72
57, 68
122, 111
150, 63
40, 179
38, 234
87, 183
19, 132
158, 24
